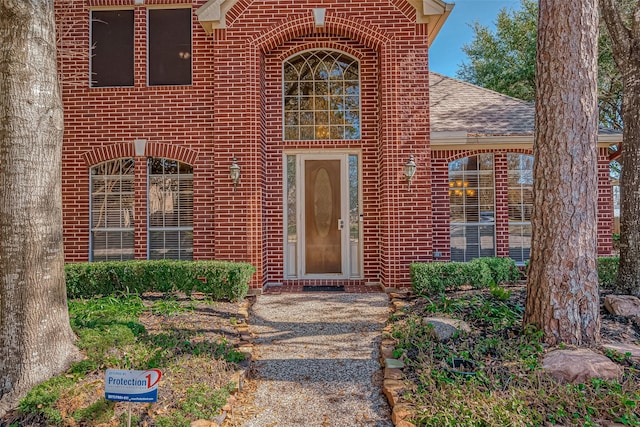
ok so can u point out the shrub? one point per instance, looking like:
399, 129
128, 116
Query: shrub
503, 270
435, 277
218, 279
608, 272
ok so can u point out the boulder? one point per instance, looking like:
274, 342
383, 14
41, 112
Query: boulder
622, 305
624, 348
444, 328
579, 366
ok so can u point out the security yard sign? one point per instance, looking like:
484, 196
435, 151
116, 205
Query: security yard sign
132, 386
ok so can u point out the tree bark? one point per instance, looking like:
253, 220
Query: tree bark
36, 340
626, 52
562, 287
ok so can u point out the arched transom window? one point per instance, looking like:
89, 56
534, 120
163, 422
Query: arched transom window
321, 96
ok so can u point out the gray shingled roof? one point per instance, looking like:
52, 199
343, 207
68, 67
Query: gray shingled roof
458, 106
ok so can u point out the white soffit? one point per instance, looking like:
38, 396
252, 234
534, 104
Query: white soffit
211, 15
434, 13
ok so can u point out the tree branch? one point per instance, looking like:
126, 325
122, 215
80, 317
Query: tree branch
619, 33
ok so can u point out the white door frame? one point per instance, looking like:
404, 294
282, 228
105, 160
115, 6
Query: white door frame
295, 253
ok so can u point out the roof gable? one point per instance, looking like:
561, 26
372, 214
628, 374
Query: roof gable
434, 13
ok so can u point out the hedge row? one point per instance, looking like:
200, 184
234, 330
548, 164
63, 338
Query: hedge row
435, 277
218, 279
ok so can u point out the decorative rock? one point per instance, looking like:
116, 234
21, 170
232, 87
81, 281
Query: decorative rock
404, 423
580, 365
391, 389
624, 348
398, 304
393, 374
203, 423
393, 363
400, 412
238, 381
444, 328
622, 305
385, 353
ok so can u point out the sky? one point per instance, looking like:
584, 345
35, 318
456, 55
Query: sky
445, 55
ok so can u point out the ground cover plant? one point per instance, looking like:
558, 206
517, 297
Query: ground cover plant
492, 376
190, 339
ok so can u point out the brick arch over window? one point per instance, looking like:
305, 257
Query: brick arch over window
334, 25
127, 149
108, 152
322, 45
171, 151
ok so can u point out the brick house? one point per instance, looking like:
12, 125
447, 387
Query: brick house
319, 108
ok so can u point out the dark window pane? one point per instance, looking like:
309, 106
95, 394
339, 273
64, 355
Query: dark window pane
112, 48
169, 47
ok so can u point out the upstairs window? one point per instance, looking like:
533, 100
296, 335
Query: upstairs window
111, 48
112, 211
472, 207
169, 47
321, 96
170, 209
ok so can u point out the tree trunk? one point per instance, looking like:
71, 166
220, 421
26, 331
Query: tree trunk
36, 340
562, 288
629, 270
625, 44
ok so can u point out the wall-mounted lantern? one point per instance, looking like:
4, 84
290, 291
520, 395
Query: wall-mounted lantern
234, 173
410, 170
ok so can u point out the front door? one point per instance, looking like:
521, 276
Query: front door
322, 216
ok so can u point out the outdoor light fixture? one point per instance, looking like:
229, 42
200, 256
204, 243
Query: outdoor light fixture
234, 173
410, 170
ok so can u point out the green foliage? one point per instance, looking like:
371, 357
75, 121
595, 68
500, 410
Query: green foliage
200, 402
507, 387
435, 277
504, 61
219, 280
503, 270
99, 412
608, 272
111, 336
41, 400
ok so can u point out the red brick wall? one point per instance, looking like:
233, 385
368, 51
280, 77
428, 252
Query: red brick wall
233, 108
441, 200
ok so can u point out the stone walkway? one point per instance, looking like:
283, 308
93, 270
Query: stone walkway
316, 360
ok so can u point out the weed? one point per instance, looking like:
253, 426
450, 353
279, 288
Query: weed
171, 307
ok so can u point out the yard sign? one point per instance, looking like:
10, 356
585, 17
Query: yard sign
132, 386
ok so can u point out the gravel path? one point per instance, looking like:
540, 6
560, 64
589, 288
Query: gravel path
317, 360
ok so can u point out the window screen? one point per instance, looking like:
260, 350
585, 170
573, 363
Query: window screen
169, 46
112, 211
170, 209
111, 48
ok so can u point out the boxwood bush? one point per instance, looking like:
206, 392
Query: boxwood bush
218, 279
608, 272
433, 278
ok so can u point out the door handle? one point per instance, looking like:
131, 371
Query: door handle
340, 224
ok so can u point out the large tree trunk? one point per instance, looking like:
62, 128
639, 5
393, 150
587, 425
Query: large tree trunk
625, 40
562, 288
36, 340
629, 270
